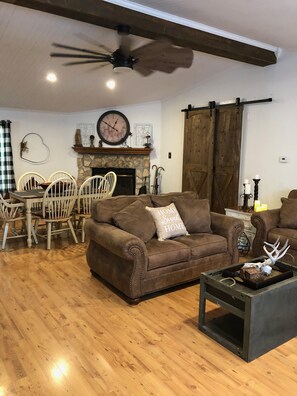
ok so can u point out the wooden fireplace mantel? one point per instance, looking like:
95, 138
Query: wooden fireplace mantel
113, 150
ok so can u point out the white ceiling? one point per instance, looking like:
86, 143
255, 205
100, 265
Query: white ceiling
26, 36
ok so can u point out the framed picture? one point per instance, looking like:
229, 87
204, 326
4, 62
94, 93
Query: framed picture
140, 131
86, 131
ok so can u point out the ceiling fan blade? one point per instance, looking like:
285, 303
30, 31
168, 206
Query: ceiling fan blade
151, 49
142, 70
91, 41
98, 57
82, 62
76, 49
163, 56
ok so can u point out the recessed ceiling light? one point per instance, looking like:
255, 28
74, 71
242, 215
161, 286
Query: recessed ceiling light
111, 84
51, 77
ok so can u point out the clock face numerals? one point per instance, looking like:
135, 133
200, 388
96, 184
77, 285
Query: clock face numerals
113, 127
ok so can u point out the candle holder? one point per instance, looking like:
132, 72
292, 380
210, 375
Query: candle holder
148, 143
256, 189
246, 198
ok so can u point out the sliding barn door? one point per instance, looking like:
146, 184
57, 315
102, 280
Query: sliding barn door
227, 149
198, 152
211, 162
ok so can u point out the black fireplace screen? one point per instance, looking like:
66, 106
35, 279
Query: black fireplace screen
125, 179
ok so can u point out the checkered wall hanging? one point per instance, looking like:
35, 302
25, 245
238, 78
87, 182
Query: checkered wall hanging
7, 180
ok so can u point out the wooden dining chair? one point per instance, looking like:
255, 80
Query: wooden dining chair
111, 181
60, 175
58, 202
30, 181
92, 189
10, 214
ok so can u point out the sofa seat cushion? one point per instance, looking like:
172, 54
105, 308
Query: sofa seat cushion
203, 245
164, 253
283, 234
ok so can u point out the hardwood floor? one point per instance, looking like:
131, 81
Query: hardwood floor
64, 333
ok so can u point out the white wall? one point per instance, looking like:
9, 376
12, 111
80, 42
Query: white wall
58, 130
269, 129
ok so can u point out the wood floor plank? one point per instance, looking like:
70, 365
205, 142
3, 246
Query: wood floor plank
65, 333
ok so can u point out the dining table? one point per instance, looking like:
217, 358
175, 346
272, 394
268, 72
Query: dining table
29, 198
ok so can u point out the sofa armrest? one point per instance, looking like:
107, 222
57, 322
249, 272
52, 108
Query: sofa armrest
230, 228
114, 239
263, 222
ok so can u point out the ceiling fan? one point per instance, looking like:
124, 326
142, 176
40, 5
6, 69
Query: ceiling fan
159, 55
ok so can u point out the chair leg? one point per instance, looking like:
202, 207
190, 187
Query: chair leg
5, 233
72, 231
34, 235
49, 234
83, 229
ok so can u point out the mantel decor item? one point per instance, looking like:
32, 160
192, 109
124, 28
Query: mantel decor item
141, 133
148, 143
77, 138
113, 127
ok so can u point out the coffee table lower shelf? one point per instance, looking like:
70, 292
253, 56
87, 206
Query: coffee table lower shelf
248, 322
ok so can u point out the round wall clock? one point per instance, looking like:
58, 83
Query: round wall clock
113, 127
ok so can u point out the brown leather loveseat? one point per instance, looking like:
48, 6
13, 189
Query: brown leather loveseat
124, 251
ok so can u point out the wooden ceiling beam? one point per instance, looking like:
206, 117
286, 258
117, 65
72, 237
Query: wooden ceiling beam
100, 13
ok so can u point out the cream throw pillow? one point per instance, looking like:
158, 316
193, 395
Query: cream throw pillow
168, 222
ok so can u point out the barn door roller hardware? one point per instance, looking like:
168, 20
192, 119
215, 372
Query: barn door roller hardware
213, 105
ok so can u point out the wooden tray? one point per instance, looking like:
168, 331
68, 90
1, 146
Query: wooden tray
278, 274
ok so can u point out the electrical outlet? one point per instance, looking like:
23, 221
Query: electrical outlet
169, 155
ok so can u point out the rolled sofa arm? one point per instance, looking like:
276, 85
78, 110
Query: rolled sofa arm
230, 228
263, 222
115, 240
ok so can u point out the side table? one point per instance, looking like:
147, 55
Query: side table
245, 216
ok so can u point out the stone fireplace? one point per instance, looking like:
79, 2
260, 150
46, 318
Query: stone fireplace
122, 158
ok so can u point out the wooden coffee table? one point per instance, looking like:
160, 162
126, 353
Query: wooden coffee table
248, 322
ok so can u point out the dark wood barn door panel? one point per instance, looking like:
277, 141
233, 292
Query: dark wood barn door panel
211, 163
226, 167
198, 152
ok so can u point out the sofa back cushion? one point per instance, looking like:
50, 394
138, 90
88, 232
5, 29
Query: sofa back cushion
288, 213
167, 199
104, 210
195, 214
136, 220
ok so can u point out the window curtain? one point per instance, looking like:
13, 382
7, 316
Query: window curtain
7, 180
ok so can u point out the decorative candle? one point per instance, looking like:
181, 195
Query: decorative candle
257, 203
247, 189
257, 177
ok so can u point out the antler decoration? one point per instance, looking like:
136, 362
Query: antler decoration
276, 254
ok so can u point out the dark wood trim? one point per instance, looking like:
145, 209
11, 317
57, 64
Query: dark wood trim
113, 150
108, 15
